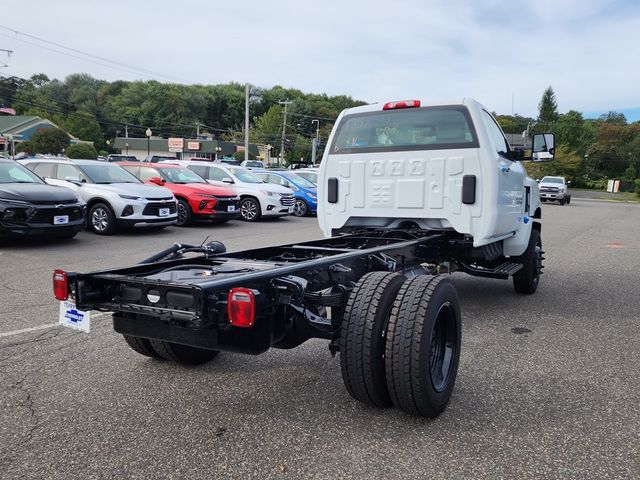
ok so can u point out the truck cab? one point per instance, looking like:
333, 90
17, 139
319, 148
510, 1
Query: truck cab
430, 166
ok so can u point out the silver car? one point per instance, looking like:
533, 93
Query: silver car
114, 197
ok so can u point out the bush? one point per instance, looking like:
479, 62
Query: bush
600, 184
637, 186
82, 150
49, 141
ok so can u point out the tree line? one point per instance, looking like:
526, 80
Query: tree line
98, 110
589, 151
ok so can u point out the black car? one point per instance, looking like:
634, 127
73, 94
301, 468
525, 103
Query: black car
28, 206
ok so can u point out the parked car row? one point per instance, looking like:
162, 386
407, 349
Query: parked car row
60, 196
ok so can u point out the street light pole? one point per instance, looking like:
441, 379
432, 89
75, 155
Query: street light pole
218, 149
148, 133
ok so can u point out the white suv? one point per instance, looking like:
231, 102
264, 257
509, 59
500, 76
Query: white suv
114, 197
257, 197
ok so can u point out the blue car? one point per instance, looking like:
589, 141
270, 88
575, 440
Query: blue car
305, 192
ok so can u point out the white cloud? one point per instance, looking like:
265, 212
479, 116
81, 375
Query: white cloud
371, 50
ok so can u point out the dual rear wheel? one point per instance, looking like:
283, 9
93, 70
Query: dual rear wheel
400, 342
174, 352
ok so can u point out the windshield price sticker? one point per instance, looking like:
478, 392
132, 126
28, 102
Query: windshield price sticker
73, 318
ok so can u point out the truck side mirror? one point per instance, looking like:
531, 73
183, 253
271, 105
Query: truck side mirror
543, 147
568, 182
227, 180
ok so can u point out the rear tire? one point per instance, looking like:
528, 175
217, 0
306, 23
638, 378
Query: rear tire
183, 354
568, 199
526, 279
362, 337
141, 345
423, 345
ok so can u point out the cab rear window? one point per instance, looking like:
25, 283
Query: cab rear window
427, 128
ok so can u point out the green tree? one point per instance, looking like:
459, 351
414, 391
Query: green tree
548, 108
85, 127
49, 141
616, 118
82, 150
567, 163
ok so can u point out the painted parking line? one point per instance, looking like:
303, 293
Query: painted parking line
40, 327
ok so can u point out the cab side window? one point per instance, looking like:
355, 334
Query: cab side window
199, 169
44, 170
217, 174
278, 180
67, 171
146, 173
132, 170
500, 143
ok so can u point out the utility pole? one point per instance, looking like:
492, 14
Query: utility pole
314, 142
126, 130
8, 52
247, 88
284, 128
197, 129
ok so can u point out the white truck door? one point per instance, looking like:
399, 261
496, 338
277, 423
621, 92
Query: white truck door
510, 179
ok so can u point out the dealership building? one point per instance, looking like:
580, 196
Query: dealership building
181, 148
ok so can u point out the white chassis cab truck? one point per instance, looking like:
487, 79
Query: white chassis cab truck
408, 191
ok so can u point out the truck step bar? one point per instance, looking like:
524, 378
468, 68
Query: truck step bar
502, 271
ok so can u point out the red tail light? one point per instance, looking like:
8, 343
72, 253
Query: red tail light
60, 285
402, 104
241, 307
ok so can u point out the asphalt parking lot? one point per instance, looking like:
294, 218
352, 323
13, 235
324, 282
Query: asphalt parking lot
548, 386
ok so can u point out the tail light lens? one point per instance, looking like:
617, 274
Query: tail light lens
60, 285
241, 307
403, 104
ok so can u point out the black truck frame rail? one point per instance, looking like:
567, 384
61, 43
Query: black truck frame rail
300, 290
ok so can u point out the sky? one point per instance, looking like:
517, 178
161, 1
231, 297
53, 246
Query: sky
502, 53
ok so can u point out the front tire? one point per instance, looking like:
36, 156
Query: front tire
526, 279
250, 210
423, 345
185, 216
183, 354
101, 219
300, 208
362, 337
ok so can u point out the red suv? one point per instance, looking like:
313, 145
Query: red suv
197, 199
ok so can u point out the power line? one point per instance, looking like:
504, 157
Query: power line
130, 68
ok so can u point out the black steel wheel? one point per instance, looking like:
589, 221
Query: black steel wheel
141, 345
250, 209
101, 219
363, 334
423, 345
300, 208
183, 354
527, 278
184, 213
